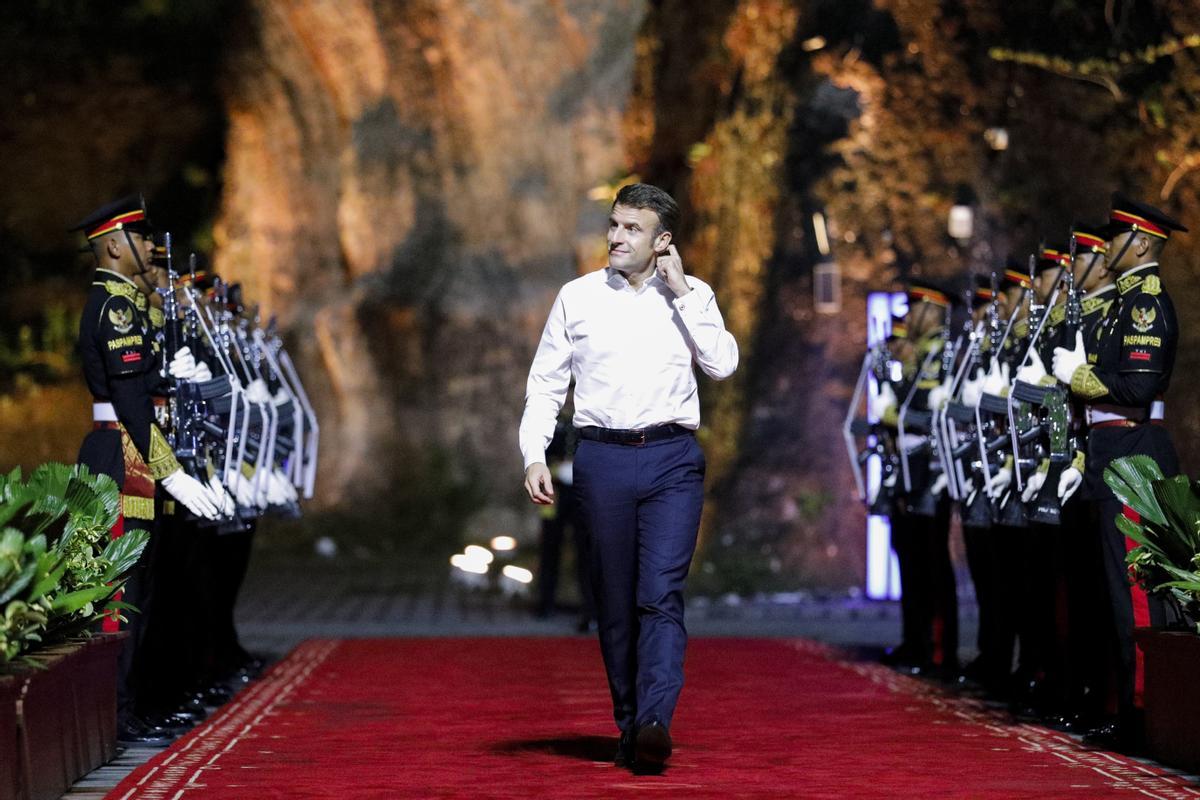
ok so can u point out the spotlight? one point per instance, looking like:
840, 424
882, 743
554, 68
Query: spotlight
503, 544
518, 574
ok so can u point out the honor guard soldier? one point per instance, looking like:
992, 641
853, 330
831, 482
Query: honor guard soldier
120, 368
1134, 348
921, 524
1086, 653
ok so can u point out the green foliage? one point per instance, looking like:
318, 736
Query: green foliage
1166, 560
58, 569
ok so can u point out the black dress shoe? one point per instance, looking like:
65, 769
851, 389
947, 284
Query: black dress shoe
653, 746
625, 753
136, 732
1115, 735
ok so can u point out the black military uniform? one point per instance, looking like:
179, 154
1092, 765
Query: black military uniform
119, 365
1134, 349
921, 524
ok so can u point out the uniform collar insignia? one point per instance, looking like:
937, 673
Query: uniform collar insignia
1134, 277
1104, 290
1057, 314
107, 276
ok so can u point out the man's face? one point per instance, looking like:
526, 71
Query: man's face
632, 237
1085, 280
144, 245
1134, 255
1044, 282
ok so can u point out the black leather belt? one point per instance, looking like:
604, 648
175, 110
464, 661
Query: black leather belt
634, 437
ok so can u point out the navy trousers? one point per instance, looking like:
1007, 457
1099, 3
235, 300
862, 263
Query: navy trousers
641, 506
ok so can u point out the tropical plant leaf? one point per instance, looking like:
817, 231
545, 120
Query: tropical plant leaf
1180, 506
1188, 586
71, 602
49, 581
1134, 531
19, 585
123, 552
1130, 479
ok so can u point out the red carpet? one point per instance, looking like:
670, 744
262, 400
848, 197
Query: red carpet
530, 718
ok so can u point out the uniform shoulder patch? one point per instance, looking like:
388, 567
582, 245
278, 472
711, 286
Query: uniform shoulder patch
1142, 318
121, 318
1152, 285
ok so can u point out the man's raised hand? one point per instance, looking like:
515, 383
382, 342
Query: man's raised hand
538, 484
670, 271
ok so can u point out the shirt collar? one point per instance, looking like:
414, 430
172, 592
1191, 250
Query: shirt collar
117, 275
618, 281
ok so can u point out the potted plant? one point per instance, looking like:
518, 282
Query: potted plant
59, 571
1165, 563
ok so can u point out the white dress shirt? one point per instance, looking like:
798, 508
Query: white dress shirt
630, 353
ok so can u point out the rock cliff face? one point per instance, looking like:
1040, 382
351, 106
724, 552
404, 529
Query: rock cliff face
406, 186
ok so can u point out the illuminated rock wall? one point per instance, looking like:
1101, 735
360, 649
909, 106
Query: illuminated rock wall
406, 186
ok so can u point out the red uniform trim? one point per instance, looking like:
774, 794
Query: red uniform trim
1141, 619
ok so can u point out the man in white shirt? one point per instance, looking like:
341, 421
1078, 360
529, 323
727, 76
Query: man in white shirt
628, 335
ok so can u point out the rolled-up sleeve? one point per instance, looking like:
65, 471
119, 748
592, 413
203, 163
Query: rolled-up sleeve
546, 389
713, 347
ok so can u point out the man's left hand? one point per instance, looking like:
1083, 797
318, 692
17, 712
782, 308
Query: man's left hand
670, 271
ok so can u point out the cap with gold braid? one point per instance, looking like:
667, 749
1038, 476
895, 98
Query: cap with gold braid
923, 290
1091, 238
128, 213
1015, 277
982, 293
1130, 215
1051, 256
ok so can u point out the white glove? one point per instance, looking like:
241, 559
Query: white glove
889, 482
224, 502
1033, 485
257, 391
938, 396
240, 487
939, 485
886, 399
192, 493
1033, 371
1000, 481
1067, 361
279, 488
201, 373
183, 364
1068, 483
997, 379
973, 389
970, 490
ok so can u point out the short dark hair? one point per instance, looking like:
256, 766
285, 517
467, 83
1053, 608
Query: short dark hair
643, 195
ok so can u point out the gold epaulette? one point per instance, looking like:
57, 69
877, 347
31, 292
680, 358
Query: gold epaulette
126, 290
1093, 304
1128, 282
157, 317
1020, 330
1152, 285
1057, 315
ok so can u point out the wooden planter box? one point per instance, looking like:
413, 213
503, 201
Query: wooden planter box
10, 749
1172, 696
65, 717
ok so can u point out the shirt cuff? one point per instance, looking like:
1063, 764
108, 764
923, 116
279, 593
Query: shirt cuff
535, 457
689, 304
